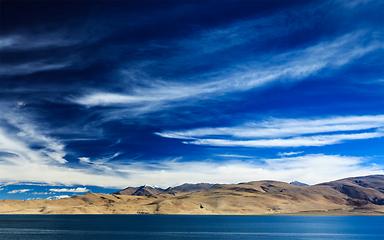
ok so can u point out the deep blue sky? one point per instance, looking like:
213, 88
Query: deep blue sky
102, 95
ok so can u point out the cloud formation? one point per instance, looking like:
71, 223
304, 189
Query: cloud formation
166, 173
284, 154
28, 143
288, 66
19, 191
311, 168
82, 95
39, 62
286, 132
73, 190
33, 67
29, 155
317, 141
28, 41
58, 197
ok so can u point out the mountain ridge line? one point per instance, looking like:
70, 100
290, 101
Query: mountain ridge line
349, 196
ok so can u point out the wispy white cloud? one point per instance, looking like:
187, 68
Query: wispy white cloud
168, 172
273, 127
73, 190
19, 191
284, 154
84, 160
40, 193
296, 65
58, 197
15, 167
33, 67
356, 3
320, 140
34, 155
232, 156
26, 164
27, 136
311, 169
286, 132
6, 42
258, 30
19, 42
8, 183
27, 41
99, 163
29, 155
29, 199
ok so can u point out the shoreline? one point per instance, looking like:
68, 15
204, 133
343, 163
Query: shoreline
217, 214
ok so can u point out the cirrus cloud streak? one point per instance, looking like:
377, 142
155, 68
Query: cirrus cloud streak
285, 132
320, 140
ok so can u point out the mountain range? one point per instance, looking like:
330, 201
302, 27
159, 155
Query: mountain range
148, 190
355, 195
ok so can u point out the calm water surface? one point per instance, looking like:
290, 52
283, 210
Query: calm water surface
96, 227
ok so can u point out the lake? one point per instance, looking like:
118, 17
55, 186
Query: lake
175, 227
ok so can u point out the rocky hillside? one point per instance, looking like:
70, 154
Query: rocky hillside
148, 190
370, 188
360, 195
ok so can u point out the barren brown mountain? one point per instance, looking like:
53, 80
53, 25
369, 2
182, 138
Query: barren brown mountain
359, 195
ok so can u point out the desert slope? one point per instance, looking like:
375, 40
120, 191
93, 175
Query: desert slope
360, 195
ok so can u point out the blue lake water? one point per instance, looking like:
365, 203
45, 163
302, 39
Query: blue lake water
96, 227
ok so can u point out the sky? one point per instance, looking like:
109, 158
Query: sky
102, 95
